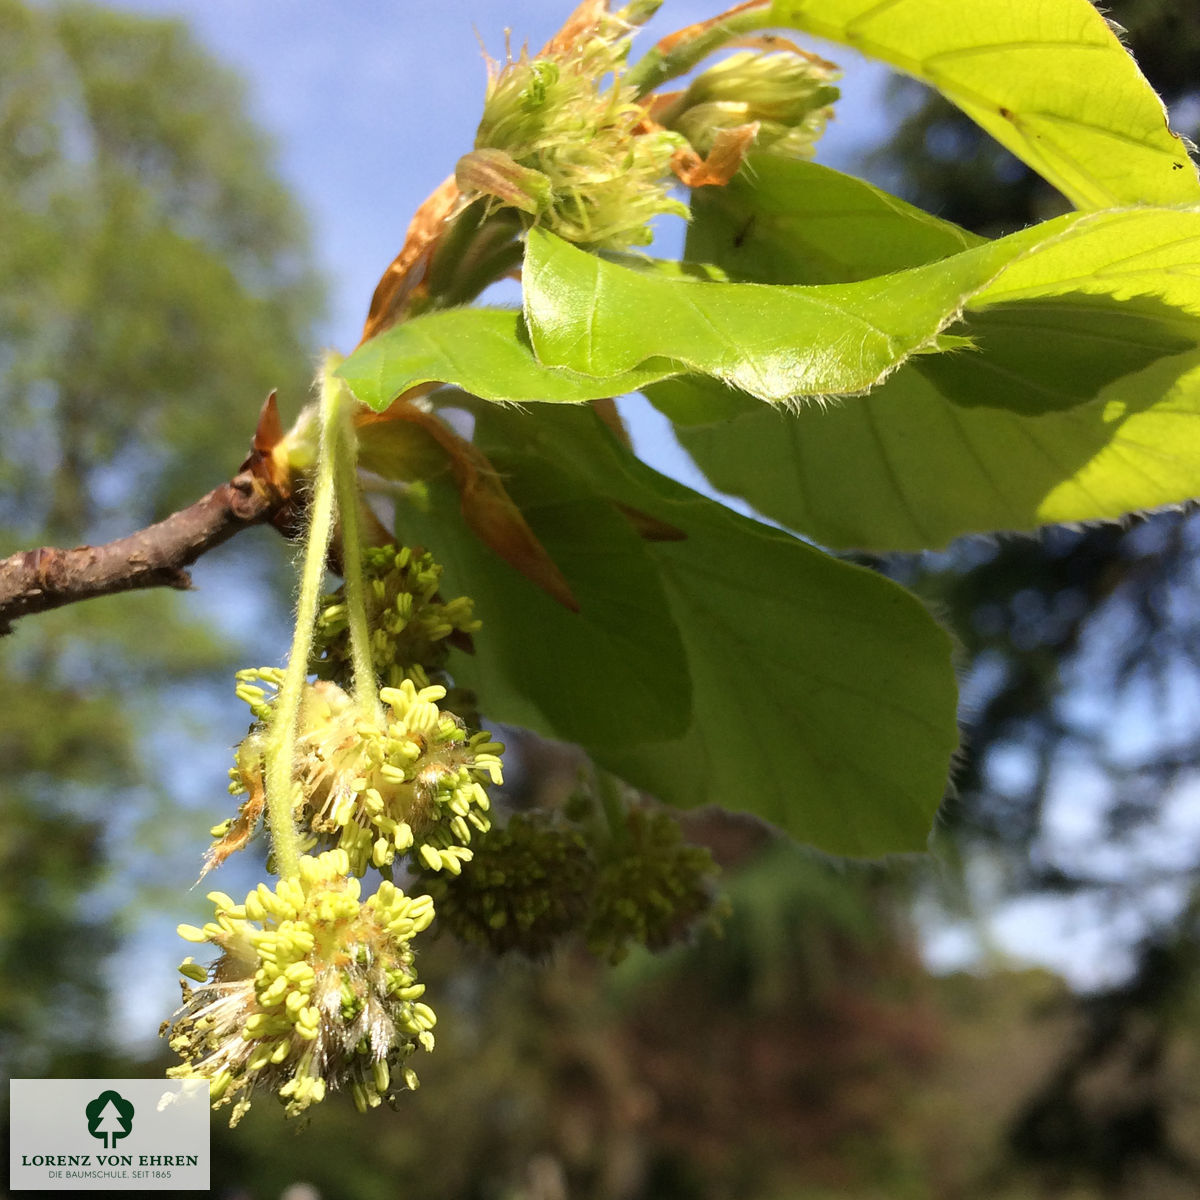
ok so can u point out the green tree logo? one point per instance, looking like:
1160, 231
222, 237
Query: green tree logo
110, 1117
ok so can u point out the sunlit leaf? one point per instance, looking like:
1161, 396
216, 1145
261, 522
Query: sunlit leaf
482, 350
1048, 79
1079, 401
909, 468
602, 319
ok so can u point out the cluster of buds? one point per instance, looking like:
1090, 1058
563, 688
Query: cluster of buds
529, 887
653, 888
412, 627
784, 96
564, 140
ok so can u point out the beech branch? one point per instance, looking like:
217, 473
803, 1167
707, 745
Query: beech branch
34, 581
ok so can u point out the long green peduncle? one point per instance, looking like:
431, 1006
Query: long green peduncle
345, 475
280, 752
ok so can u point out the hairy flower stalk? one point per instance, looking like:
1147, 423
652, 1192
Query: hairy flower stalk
345, 482
278, 740
314, 989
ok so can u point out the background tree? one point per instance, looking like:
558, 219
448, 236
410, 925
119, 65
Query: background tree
155, 284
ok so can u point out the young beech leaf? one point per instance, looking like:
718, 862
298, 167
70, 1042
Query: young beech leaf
1048, 79
909, 467
595, 317
486, 352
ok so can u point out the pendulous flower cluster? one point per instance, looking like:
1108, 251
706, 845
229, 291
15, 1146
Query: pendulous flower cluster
314, 988
529, 887
622, 878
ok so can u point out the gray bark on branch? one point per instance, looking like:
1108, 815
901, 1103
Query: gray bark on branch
36, 581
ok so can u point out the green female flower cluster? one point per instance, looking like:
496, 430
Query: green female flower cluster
528, 887
541, 879
314, 988
786, 94
576, 153
652, 887
572, 138
406, 778
411, 626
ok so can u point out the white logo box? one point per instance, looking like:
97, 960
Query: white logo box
94, 1135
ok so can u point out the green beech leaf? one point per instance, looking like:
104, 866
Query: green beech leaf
481, 350
614, 671
909, 467
1048, 79
602, 319
1126, 253
1078, 402
823, 697
783, 220
669, 268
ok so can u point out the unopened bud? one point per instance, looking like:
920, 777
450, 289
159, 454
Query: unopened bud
787, 93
